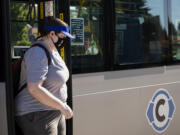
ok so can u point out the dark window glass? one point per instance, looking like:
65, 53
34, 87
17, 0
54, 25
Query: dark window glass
23, 11
2, 52
86, 18
24, 27
23, 34
175, 29
140, 32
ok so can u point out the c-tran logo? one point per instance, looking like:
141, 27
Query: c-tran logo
160, 110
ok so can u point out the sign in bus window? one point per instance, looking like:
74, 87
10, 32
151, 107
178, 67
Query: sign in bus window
86, 26
77, 29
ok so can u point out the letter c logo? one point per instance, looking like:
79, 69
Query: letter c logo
160, 110
159, 118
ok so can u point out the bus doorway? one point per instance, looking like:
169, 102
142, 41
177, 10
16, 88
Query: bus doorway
23, 20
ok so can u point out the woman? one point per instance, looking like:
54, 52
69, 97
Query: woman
41, 106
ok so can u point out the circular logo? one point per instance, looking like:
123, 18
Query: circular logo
160, 110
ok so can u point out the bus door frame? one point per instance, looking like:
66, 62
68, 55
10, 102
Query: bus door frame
6, 48
64, 7
64, 14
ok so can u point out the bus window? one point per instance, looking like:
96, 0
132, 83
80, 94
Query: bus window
24, 27
86, 19
175, 30
140, 32
24, 21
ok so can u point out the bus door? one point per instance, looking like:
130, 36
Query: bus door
23, 22
5, 103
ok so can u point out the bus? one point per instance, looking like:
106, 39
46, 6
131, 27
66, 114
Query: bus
124, 63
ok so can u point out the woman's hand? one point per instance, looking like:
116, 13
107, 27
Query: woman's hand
47, 98
66, 111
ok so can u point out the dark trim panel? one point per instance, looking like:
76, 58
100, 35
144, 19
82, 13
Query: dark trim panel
8, 70
2, 53
109, 33
169, 60
64, 7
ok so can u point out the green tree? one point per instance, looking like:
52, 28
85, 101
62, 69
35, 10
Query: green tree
24, 37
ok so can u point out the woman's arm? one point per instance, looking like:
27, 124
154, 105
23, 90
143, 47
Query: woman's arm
45, 97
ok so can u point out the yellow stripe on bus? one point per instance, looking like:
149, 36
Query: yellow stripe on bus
61, 16
41, 10
62, 53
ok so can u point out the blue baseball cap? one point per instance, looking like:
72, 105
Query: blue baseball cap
63, 29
